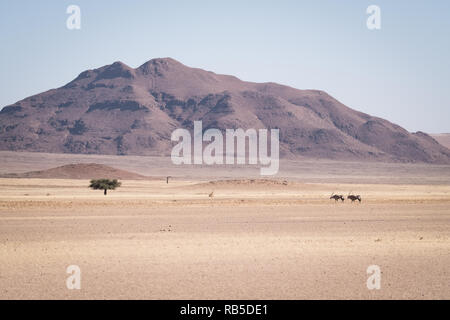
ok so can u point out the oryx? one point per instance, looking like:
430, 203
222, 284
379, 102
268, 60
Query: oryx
337, 197
354, 197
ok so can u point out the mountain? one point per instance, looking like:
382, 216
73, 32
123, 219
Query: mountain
116, 109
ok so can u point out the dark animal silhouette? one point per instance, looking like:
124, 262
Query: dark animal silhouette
353, 197
337, 197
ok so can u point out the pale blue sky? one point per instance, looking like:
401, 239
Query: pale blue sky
400, 72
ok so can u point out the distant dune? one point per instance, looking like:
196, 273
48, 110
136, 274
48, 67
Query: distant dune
79, 171
246, 182
442, 138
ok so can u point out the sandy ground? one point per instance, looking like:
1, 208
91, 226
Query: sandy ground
250, 241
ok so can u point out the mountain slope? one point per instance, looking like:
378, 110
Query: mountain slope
116, 109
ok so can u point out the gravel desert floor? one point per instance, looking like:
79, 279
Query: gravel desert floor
254, 239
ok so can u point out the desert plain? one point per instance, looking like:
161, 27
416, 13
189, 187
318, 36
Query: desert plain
254, 238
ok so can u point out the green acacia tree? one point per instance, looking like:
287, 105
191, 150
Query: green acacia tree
104, 184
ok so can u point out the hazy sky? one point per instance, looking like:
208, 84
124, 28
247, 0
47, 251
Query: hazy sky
400, 72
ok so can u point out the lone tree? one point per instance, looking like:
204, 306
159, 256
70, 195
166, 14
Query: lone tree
104, 184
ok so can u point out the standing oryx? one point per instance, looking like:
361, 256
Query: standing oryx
354, 197
337, 197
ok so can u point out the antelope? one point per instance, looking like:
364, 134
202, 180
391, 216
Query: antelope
337, 197
353, 197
